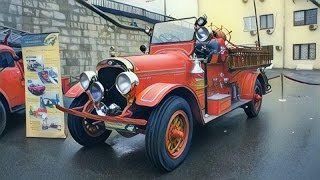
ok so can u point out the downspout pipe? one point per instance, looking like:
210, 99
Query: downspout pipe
257, 25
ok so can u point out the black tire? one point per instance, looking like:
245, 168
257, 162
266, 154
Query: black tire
3, 118
78, 131
156, 133
251, 110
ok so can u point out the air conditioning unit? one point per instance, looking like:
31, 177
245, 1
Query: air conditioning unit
313, 27
279, 48
253, 33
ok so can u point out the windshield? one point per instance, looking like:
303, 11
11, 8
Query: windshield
173, 31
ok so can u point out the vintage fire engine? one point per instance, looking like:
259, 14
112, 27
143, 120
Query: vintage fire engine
189, 76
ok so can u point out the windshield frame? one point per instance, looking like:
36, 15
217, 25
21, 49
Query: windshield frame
193, 37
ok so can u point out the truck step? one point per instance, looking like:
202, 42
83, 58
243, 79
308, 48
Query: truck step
208, 118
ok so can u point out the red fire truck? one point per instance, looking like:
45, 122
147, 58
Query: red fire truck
191, 75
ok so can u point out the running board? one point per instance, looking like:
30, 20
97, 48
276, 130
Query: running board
233, 107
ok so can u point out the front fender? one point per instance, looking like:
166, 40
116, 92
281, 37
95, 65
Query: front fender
75, 91
153, 94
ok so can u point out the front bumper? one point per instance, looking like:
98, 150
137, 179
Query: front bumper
107, 119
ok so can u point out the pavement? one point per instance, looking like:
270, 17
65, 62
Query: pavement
281, 143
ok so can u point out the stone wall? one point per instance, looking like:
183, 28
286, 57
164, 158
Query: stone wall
85, 37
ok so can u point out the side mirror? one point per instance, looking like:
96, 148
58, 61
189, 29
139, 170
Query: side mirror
143, 48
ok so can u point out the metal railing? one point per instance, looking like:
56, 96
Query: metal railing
129, 11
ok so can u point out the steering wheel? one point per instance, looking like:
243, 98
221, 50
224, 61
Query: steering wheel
168, 38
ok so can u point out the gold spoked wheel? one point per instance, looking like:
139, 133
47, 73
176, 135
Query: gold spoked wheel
85, 131
177, 134
93, 130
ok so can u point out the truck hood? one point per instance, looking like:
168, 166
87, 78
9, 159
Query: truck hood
164, 61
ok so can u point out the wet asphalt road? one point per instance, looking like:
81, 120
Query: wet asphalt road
283, 142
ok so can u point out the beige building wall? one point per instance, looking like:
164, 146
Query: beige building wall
230, 14
300, 34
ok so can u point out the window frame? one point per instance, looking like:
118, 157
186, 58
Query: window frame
305, 17
266, 15
308, 59
244, 29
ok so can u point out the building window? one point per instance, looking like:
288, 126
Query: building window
269, 49
266, 21
305, 17
250, 23
304, 51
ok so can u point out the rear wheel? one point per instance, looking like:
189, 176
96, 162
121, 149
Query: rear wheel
254, 106
169, 133
83, 130
3, 118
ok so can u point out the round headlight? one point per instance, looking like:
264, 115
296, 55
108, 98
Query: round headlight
203, 34
97, 91
86, 78
126, 81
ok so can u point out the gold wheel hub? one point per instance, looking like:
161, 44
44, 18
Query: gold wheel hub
177, 134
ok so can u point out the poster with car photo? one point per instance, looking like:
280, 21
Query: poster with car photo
36, 87
43, 81
49, 75
35, 63
50, 99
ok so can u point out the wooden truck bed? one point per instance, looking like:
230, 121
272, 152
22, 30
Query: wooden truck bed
248, 58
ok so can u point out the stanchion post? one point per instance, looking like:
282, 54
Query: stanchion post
282, 89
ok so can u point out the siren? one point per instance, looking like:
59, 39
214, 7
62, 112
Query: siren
197, 69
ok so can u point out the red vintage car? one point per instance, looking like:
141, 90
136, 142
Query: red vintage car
36, 89
12, 81
12, 96
189, 77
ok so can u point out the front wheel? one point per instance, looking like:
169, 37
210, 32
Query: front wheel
83, 130
3, 118
253, 108
169, 133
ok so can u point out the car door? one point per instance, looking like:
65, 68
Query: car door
11, 79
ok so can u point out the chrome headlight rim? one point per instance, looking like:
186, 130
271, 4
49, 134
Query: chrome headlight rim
132, 81
97, 91
86, 79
